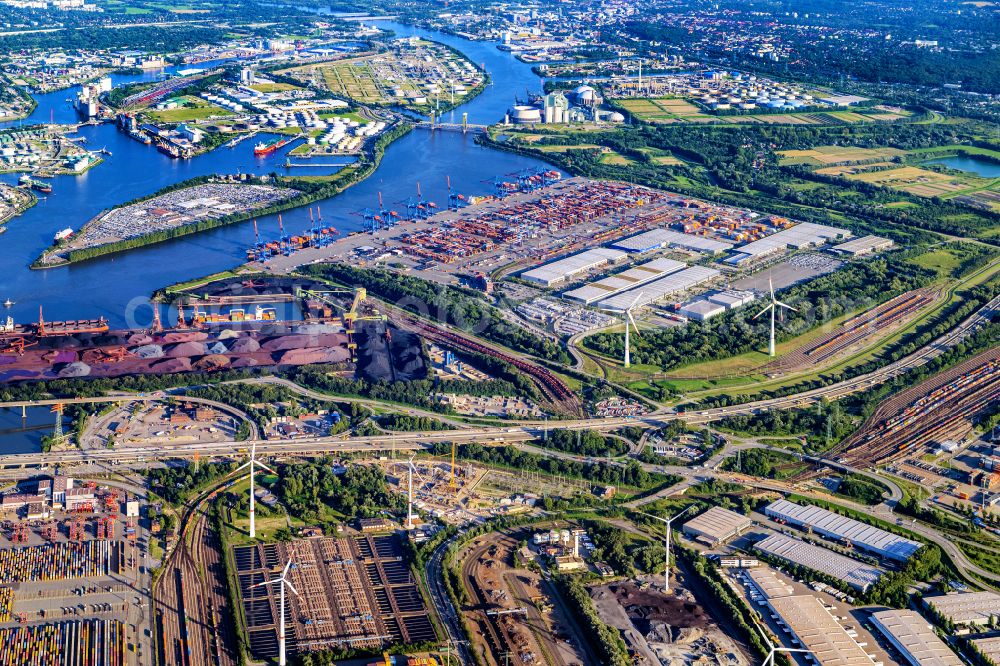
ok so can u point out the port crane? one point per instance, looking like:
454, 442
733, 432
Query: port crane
350, 315
455, 200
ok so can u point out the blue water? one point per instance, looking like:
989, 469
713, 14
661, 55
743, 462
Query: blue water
116, 286
24, 435
978, 166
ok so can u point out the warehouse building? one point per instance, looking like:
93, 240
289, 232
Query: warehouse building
732, 298
859, 247
858, 575
989, 648
767, 585
973, 608
716, 526
840, 528
615, 284
798, 237
561, 270
658, 290
701, 309
914, 637
809, 622
657, 239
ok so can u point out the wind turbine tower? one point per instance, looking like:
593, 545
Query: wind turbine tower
282, 581
252, 464
409, 506
666, 543
628, 320
773, 307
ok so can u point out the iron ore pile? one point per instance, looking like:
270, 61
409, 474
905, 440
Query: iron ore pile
116, 353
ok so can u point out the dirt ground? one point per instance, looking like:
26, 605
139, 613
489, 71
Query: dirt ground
663, 629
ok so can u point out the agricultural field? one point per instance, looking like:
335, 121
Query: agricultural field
821, 156
922, 182
675, 109
412, 73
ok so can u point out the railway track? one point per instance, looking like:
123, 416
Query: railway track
874, 322
551, 386
496, 631
940, 408
190, 597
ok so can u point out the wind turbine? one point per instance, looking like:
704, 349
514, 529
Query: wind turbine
773, 307
282, 582
666, 546
628, 318
250, 464
409, 506
775, 650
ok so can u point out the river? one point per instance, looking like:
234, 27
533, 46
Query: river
117, 286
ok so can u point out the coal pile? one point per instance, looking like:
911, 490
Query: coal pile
396, 357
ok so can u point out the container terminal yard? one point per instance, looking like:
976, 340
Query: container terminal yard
74, 574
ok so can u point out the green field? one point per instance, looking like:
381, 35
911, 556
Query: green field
194, 108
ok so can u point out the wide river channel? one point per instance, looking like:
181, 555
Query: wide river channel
116, 286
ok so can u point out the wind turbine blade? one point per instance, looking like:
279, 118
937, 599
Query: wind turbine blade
636, 300
764, 310
288, 565
634, 326
770, 285
243, 466
290, 587
267, 582
786, 305
263, 466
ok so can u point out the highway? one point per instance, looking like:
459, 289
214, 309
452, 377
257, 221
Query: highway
521, 432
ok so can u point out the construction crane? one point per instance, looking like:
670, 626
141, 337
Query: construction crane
452, 483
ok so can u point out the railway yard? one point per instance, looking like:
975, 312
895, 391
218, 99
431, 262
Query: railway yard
413, 73
858, 332
191, 597
931, 413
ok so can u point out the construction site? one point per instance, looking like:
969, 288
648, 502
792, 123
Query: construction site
355, 592
74, 575
513, 611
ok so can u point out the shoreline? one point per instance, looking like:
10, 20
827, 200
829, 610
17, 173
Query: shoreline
371, 158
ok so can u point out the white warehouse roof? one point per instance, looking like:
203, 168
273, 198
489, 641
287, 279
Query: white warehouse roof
967, 608
657, 238
565, 268
802, 235
858, 575
657, 290
830, 524
819, 631
768, 584
637, 275
717, 525
914, 637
